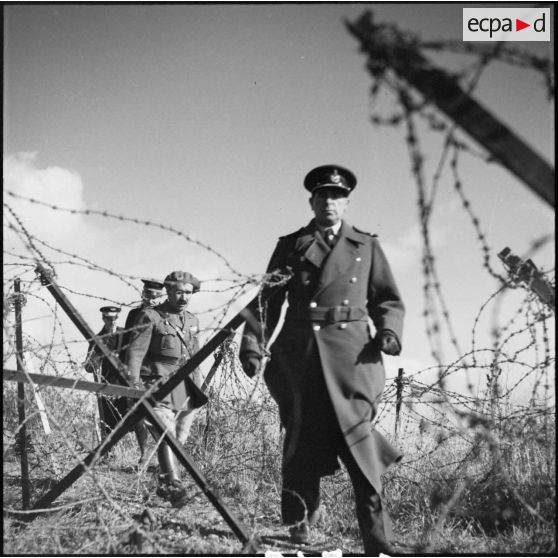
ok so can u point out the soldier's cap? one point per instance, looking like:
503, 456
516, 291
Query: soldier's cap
182, 277
330, 176
110, 311
152, 285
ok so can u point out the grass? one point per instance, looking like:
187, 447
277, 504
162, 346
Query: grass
457, 491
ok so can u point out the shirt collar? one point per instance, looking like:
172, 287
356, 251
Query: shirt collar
335, 227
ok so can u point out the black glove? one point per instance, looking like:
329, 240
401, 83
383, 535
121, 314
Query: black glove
390, 344
250, 361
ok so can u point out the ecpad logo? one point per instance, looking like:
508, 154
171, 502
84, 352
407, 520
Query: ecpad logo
506, 24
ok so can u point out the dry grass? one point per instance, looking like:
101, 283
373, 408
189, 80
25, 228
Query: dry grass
455, 492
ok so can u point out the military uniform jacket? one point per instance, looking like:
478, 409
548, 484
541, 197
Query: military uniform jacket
115, 343
131, 320
161, 341
331, 295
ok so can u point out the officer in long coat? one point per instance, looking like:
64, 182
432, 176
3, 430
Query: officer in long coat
325, 369
151, 291
111, 410
164, 337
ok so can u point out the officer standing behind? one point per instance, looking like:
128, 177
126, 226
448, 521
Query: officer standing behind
163, 339
325, 370
110, 410
152, 290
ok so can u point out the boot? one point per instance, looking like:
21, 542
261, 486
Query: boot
300, 533
142, 435
170, 486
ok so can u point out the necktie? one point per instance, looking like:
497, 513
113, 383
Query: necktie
329, 237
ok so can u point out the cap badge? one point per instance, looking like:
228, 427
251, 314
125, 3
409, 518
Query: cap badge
335, 177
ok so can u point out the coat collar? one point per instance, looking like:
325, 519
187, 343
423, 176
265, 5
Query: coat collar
313, 248
311, 245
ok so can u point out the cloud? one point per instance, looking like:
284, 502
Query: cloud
52, 185
123, 248
447, 218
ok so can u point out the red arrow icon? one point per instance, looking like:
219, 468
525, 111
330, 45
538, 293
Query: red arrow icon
519, 25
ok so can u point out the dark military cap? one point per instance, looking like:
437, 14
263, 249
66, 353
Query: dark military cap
110, 310
152, 284
182, 277
330, 176
152, 288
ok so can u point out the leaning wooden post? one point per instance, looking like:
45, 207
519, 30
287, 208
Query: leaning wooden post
386, 47
21, 438
399, 397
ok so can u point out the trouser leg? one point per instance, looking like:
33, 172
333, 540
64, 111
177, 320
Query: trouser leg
167, 462
373, 520
142, 434
184, 422
300, 498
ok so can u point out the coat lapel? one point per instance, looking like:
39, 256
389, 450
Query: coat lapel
341, 257
312, 246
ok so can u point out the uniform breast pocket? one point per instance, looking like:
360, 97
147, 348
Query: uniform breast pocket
169, 342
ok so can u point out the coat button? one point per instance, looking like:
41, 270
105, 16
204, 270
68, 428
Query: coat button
346, 302
342, 326
359, 259
313, 304
307, 282
316, 327
353, 279
302, 258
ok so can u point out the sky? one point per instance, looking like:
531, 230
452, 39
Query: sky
206, 117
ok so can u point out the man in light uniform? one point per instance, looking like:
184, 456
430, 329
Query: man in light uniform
163, 339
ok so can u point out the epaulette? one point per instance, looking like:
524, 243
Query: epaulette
366, 233
290, 235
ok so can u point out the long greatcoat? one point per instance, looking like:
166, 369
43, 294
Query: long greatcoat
112, 409
355, 275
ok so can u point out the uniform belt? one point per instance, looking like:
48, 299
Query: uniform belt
166, 359
333, 314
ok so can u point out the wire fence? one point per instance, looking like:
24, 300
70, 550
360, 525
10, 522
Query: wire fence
482, 454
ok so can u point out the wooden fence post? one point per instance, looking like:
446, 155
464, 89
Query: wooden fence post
21, 437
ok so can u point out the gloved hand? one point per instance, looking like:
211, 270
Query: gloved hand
390, 344
250, 361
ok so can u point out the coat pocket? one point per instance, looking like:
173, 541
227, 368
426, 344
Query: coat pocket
165, 341
169, 341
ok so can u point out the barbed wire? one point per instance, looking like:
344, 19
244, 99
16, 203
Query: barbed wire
238, 434
522, 334
508, 54
123, 218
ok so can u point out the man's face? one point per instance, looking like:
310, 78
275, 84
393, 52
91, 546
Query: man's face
110, 322
150, 298
328, 205
179, 294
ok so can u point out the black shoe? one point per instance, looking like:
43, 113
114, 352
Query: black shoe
300, 533
174, 491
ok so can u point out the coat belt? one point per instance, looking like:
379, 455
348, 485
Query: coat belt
331, 314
